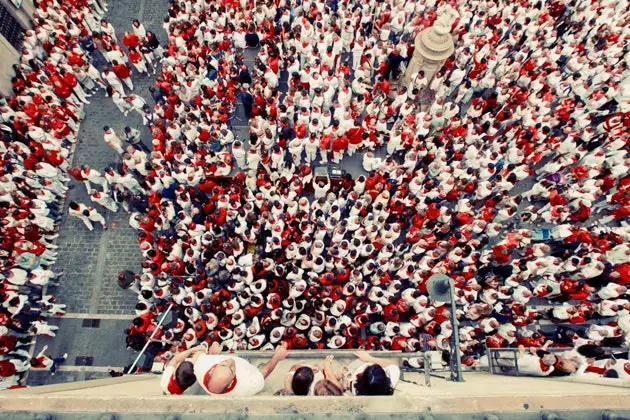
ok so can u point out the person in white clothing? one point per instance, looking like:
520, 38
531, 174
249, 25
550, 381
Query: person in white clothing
42, 328
104, 200
93, 176
375, 376
81, 212
321, 188
114, 82
230, 375
239, 153
139, 105
179, 375
119, 100
311, 145
95, 216
540, 363
112, 139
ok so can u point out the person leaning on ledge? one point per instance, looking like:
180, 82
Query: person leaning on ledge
231, 375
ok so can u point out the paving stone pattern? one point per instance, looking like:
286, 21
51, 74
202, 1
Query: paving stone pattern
90, 284
37, 378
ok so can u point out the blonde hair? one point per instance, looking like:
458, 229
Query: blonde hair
327, 387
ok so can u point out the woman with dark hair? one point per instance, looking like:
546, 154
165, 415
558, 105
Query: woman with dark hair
375, 376
312, 380
153, 44
299, 379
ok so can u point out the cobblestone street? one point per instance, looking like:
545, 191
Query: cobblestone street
92, 260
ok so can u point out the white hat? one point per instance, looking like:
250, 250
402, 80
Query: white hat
338, 307
303, 322
276, 334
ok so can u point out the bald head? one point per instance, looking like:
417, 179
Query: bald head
221, 377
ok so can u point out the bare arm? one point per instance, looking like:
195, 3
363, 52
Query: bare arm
329, 372
281, 353
546, 345
365, 357
41, 353
214, 349
180, 357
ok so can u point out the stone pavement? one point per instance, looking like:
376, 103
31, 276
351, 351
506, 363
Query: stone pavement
92, 260
93, 346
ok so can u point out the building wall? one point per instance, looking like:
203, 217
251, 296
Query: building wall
8, 54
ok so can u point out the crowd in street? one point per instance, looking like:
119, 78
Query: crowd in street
512, 180
52, 81
254, 251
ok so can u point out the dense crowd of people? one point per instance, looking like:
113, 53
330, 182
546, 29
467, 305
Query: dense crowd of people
38, 133
534, 93
251, 249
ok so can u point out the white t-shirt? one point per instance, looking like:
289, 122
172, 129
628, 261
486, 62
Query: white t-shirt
249, 379
167, 376
392, 372
530, 364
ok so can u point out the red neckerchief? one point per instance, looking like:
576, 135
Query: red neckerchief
229, 388
173, 387
543, 366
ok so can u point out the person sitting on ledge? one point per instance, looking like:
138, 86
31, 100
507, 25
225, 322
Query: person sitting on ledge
312, 380
230, 375
375, 376
179, 375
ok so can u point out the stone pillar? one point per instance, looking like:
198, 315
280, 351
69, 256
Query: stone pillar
432, 47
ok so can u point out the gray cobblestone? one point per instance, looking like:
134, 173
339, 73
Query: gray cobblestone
78, 247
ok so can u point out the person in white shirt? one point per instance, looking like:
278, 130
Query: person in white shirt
112, 139
178, 375
95, 216
81, 212
375, 376
321, 188
238, 151
140, 106
231, 375
114, 82
104, 200
535, 364
93, 176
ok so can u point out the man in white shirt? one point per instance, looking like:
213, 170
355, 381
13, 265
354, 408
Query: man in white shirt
112, 140
321, 188
230, 375
541, 364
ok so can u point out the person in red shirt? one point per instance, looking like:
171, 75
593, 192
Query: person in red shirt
381, 86
71, 81
122, 72
339, 146
130, 40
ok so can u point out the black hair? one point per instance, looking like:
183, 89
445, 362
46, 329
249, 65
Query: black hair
185, 375
373, 381
302, 380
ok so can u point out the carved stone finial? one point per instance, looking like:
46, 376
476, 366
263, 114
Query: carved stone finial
433, 46
442, 24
